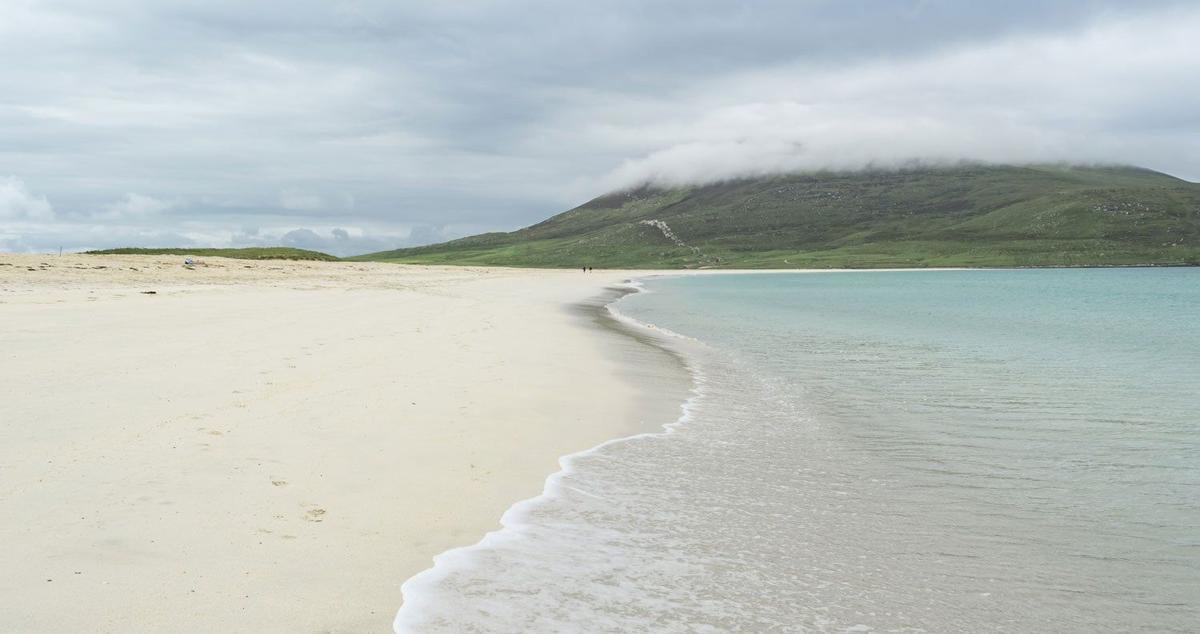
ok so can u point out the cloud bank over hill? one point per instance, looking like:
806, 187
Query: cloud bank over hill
374, 125
1117, 91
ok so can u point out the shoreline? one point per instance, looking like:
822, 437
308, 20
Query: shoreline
645, 346
278, 446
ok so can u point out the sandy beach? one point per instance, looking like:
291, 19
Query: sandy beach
276, 446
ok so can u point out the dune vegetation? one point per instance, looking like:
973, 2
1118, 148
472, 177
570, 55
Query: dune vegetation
251, 253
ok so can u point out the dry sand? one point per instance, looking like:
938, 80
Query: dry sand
277, 446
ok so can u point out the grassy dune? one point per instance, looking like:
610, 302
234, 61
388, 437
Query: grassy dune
254, 253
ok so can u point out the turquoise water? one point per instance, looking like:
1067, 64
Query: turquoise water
877, 451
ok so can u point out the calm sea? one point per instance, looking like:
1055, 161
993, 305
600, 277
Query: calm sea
938, 451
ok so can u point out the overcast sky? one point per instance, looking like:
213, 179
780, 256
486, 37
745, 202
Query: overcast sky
358, 126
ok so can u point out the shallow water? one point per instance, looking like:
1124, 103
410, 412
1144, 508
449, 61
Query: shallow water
877, 451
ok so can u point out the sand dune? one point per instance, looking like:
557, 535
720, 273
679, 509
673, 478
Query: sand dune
276, 446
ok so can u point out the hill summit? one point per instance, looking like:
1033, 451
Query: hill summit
977, 215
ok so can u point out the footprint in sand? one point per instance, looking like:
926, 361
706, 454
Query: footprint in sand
279, 483
315, 515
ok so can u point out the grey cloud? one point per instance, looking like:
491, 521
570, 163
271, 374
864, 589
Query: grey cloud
299, 201
17, 202
135, 205
410, 122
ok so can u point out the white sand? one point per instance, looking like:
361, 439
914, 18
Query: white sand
275, 446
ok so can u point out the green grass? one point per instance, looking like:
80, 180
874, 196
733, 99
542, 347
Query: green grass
252, 253
1049, 215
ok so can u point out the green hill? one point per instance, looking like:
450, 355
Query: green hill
979, 215
252, 253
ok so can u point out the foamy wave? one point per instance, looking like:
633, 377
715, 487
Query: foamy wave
637, 324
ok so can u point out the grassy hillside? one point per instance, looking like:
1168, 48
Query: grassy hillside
961, 216
255, 253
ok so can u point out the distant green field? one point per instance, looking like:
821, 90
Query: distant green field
253, 253
1048, 215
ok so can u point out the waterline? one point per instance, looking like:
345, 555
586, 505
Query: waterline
943, 451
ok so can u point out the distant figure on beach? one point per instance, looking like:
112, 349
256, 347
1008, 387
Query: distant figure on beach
589, 269
585, 269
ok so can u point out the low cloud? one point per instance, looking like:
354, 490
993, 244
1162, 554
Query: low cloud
343, 242
32, 237
1085, 96
303, 239
47, 238
18, 203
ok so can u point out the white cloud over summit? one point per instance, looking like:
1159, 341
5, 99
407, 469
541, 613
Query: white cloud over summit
1104, 93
